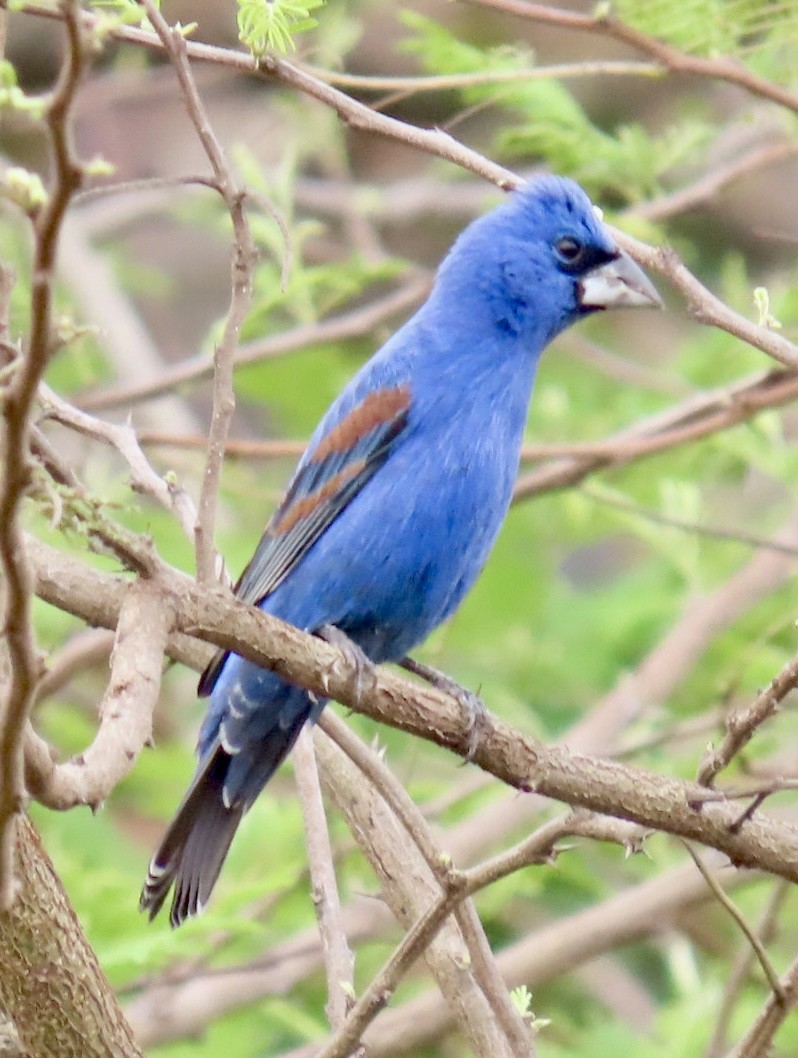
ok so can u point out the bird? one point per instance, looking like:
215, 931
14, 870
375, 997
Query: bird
396, 503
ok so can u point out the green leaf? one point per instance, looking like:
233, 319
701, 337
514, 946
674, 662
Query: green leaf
271, 25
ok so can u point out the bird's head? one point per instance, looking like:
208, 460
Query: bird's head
542, 260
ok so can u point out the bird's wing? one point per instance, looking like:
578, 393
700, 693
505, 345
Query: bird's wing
328, 478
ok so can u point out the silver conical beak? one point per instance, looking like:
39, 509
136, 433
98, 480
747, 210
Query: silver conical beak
619, 283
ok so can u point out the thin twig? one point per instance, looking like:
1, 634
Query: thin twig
235, 447
413, 821
668, 56
408, 86
170, 494
743, 724
741, 968
763, 789
739, 918
733, 536
758, 1040
243, 262
15, 442
346, 326
338, 958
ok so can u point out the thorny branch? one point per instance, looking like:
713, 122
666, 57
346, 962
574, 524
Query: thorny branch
604, 786
742, 724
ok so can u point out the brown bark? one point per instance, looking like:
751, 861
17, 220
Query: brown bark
51, 985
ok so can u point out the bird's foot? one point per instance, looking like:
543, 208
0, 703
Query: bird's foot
471, 703
364, 678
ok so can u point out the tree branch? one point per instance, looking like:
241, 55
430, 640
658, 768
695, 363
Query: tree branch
242, 265
145, 619
758, 1040
517, 760
339, 961
18, 401
669, 57
702, 304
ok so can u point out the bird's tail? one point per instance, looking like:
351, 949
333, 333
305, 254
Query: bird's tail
194, 847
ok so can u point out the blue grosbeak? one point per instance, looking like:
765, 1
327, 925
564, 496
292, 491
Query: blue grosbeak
398, 499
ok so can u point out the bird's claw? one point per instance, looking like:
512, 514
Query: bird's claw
477, 721
364, 675
471, 703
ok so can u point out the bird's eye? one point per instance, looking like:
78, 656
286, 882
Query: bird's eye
570, 251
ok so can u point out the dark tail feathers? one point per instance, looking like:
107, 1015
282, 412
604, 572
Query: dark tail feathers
194, 847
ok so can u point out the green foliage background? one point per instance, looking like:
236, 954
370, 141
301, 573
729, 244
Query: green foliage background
577, 591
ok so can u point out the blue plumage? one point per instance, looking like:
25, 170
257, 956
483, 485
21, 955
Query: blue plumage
395, 505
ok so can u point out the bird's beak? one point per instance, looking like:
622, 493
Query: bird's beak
619, 283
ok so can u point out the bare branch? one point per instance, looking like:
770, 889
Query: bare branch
690, 420
758, 1040
669, 57
742, 725
172, 496
741, 969
14, 448
408, 86
708, 186
604, 786
338, 958
750, 935
703, 305
482, 963
240, 297
348, 325
145, 620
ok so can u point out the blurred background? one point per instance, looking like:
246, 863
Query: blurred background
633, 598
